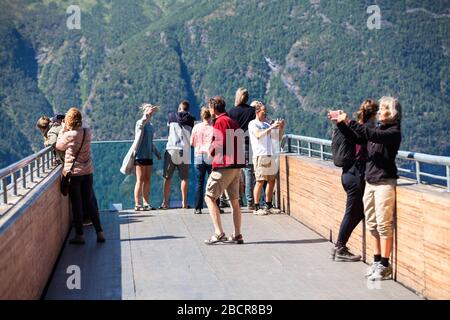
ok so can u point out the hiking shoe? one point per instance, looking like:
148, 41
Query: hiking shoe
381, 273
343, 255
261, 212
371, 269
333, 253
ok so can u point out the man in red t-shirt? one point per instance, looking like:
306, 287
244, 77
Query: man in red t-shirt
228, 160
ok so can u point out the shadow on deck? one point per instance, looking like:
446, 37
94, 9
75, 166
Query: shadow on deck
161, 255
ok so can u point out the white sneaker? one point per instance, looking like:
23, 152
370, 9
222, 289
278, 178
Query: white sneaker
381, 273
371, 269
261, 212
274, 210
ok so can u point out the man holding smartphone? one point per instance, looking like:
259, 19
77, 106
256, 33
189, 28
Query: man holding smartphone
264, 138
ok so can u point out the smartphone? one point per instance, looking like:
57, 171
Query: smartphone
334, 114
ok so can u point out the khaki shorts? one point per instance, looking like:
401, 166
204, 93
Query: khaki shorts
379, 207
221, 180
265, 168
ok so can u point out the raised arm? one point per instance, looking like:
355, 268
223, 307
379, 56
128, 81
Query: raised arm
258, 133
350, 135
390, 135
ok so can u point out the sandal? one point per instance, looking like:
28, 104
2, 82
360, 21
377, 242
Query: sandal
216, 239
147, 207
163, 207
239, 239
138, 208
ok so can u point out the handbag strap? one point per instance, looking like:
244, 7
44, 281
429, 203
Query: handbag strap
79, 150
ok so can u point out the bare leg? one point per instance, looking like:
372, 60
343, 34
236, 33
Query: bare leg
269, 190
386, 247
166, 192
257, 191
376, 244
138, 185
184, 190
146, 188
236, 211
215, 214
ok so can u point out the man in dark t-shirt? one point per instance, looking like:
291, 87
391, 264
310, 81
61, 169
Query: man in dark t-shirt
242, 113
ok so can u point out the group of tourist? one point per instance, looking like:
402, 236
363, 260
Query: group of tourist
227, 147
242, 144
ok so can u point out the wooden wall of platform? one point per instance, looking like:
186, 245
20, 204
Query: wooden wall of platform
31, 238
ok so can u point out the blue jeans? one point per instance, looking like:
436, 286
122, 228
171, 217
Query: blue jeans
249, 184
201, 168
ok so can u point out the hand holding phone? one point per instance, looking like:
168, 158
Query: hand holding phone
334, 114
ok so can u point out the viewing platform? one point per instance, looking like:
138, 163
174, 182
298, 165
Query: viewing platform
161, 254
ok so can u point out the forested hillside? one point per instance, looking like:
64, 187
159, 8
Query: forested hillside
301, 57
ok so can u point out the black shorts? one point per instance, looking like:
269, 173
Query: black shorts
143, 162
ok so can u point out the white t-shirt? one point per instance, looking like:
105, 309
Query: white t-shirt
264, 145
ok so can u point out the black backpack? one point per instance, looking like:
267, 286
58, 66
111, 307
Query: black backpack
342, 149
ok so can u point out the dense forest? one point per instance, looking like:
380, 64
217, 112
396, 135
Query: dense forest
301, 57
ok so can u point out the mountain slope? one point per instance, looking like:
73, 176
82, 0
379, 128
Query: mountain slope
300, 57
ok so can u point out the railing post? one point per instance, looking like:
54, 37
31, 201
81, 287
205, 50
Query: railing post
42, 159
24, 178
14, 180
289, 142
418, 172
5, 191
37, 168
30, 168
309, 149
298, 147
321, 152
448, 178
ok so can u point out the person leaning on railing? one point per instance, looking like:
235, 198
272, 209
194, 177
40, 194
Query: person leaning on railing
50, 129
381, 177
73, 139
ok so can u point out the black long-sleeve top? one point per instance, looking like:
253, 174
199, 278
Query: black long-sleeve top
382, 148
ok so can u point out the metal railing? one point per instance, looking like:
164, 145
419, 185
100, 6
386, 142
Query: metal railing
24, 172
124, 141
321, 148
